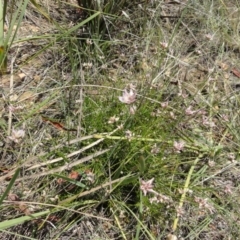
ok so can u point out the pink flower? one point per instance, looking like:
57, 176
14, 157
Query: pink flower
228, 189
164, 45
207, 122
17, 135
189, 111
203, 204
164, 104
209, 36
129, 134
147, 186
160, 198
178, 146
128, 97
14, 109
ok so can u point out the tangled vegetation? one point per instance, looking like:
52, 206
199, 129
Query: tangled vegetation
119, 119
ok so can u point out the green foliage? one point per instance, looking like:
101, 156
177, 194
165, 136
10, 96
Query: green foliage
10, 185
102, 27
181, 140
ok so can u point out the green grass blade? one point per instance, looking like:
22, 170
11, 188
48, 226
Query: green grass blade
3, 60
9, 185
15, 22
13, 222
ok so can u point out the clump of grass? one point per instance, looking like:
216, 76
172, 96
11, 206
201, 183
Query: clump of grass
103, 26
136, 142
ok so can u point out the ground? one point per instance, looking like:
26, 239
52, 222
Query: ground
123, 125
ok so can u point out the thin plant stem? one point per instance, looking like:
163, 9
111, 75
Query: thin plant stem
185, 190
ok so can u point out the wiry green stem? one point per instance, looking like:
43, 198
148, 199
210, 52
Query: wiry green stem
185, 189
107, 136
3, 4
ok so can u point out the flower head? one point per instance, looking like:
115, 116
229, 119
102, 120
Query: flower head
189, 111
178, 146
128, 97
207, 122
17, 135
147, 186
164, 104
203, 204
129, 134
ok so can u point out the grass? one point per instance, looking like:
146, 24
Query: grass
78, 163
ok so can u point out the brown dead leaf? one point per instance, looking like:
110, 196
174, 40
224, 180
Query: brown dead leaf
58, 125
74, 175
54, 123
236, 72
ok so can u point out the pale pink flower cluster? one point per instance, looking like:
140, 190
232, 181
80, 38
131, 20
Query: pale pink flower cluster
164, 45
129, 97
180, 211
160, 198
228, 189
189, 111
129, 134
17, 135
164, 104
178, 146
203, 204
207, 122
231, 157
14, 109
147, 187
209, 36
